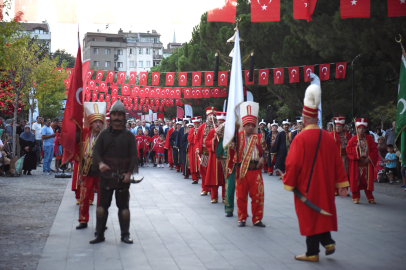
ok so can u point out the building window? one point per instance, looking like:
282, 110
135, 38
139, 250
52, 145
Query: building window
95, 39
96, 51
131, 51
107, 51
38, 31
132, 64
140, 63
140, 51
107, 64
96, 63
148, 51
120, 64
148, 63
120, 52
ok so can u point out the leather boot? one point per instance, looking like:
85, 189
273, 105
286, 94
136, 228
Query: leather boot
126, 239
99, 238
81, 226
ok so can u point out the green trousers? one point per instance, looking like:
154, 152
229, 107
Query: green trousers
230, 190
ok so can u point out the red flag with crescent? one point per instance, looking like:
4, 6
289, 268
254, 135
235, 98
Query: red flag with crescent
216, 92
110, 76
73, 115
155, 78
157, 92
246, 76
306, 71
170, 78
125, 89
198, 93
121, 77
206, 92
341, 67
293, 74
114, 91
178, 92
278, 75
324, 72
187, 93
263, 75
223, 78
303, 9
196, 78
355, 9
396, 8
224, 13
89, 75
208, 78
265, 11
143, 78
99, 76
182, 78
103, 87
135, 92
133, 76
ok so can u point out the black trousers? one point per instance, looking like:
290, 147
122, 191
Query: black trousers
313, 241
166, 155
122, 202
140, 158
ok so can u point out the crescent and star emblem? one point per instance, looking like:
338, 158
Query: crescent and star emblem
182, 77
404, 104
197, 77
263, 73
294, 71
170, 77
208, 77
77, 95
323, 70
308, 73
341, 71
223, 76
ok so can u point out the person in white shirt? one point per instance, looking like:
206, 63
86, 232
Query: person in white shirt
36, 129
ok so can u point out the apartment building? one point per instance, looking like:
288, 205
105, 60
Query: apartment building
41, 31
124, 51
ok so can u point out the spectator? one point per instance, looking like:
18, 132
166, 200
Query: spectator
58, 154
9, 129
390, 166
390, 134
128, 126
133, 128
330, 127
20, 127
48, 136
378, 133
143, 127
382, 147
55, 125
36, 128
27, 144
2, 124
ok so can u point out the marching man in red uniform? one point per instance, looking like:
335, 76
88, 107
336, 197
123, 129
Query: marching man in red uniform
341, 138
313, 172
194, 163
363, 155
216, 165
95, 114
169, 147
201, 149
250, 158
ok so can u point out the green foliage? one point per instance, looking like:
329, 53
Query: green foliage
64, 56
384, 114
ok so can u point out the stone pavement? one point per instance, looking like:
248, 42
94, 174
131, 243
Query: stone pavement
175, 228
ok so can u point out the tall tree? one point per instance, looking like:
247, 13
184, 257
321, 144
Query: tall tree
64, 56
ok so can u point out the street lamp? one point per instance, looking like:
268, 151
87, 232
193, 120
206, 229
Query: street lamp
353, 96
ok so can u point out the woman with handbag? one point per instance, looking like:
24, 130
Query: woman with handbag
29, 149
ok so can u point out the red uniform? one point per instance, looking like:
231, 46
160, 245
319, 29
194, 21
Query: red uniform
154, 144
160, 147
200, 136
328, 174
362, 175
249, 182
193, 160
215, 175
341, 147
140, 144
147, 141
168, 146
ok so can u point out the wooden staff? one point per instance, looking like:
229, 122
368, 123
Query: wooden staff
358, 145
334, 129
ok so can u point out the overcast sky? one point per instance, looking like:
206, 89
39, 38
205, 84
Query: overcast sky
164, 16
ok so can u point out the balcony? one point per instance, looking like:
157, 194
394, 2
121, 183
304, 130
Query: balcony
157, 57
115, 57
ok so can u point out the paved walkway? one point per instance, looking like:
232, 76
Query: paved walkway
175, 228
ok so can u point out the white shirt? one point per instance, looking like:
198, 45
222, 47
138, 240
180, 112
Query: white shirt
37, 128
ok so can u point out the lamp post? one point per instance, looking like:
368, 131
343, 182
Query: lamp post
353, 95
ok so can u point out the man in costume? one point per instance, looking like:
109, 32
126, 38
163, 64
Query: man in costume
280, 147
174, 142
270, 140
217, 161
194, 163
250, 158
182, 132
115, 156
314, 146
168, 146
264, 133
200, 147
299, 122
184, 146
341, 139
95, 113
363, 155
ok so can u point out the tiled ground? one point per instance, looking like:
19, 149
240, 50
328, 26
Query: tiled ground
175, 228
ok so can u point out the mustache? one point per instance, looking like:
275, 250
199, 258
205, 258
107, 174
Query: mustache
116, 120
98, 126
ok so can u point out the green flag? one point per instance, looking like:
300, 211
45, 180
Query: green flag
400, 131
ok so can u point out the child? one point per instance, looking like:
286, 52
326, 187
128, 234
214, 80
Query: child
147, 141
390, 160
154, 146
139, 138
160, 151
403, 171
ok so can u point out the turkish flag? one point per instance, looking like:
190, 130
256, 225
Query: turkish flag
172, 93
225, 13
135, 101
140, 107
341, 67
223, 92
187, 93
208, 78
157, 92
168, 92
142, 100
182, 78
216, 92
198, 93
263, 75
110, 76
170, 78
146, 101
324, 72
178, 92
196, 78
142, 93
155, 78
193, 93
177, 102
396, 8
303, 9
103, 87
355, 9
306, 71
92, 85
163, 93
293, 74
89, 74
107, 98
101, 97
265, 11
125, 89
147, 89
121, 77
143, 78
133, 76
87, 91
73, 115
96, 91
152, 93
88, 97
160, 108
223, 78
114, 91
29, 8
99, 76
246, 75
135, 92
206, 92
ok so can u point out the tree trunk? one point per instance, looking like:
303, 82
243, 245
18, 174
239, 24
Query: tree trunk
15, 124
